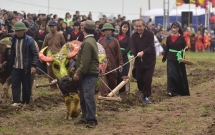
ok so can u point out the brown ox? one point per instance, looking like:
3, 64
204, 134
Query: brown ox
5, 79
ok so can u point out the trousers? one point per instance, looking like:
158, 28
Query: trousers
144, 80
87, 100
20, 77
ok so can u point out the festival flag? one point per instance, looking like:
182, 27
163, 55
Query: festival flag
192, 1
179, 2
213, 3
202, 3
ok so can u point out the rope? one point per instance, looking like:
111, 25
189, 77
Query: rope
45, 73
119, 66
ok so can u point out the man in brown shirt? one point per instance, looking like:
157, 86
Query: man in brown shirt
114, 57
142, 45
54, 40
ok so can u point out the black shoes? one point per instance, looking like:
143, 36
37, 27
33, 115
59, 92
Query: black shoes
81, 121
90, 124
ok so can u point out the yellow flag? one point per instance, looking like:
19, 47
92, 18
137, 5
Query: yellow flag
192, 1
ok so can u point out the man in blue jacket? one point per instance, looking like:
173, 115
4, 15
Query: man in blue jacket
22, 62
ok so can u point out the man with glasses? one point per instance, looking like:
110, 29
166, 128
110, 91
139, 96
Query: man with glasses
54, 40
22, 63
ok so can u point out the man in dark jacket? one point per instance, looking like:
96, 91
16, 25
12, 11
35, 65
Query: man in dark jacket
87, 71
142, 45
29, 32
22, 62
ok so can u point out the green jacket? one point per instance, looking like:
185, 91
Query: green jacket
68, 21
87, 61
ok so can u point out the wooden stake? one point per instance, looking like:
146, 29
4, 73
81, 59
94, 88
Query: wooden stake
127, 87
110, 98
46, 85
115, 90
124, 82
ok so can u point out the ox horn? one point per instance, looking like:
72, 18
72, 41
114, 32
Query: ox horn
8, 46
43, 57
73, 53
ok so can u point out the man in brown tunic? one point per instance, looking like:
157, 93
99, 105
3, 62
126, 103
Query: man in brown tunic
142, 45
54, 40
114, 57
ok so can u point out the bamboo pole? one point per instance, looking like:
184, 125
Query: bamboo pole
149, 5
189, 16
176, 9
122, 7
196, 21
140, 13
48, 5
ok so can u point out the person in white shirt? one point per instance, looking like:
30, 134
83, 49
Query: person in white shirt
158, 47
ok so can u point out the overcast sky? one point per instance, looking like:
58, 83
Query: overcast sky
130, 8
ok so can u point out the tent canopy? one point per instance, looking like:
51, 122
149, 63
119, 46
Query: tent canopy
173, 12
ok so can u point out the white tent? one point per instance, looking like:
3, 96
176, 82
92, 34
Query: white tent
173, 12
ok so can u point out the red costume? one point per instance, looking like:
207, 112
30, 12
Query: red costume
199, 44
207, 41
187, 35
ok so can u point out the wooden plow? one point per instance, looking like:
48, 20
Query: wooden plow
126, 82
112, 95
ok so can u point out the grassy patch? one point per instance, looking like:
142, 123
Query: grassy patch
7, 130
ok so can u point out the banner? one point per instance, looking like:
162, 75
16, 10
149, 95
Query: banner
179, 2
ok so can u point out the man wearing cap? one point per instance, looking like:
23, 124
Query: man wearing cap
28, 31
96, 34
114, 57
54, 40
22, 62
87, 72
30, 19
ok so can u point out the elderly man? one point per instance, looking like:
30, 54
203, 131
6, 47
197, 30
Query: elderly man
87, 71
114, 56
22, 61
142, 45
54, 40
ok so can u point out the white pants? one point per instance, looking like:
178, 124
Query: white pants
158, 49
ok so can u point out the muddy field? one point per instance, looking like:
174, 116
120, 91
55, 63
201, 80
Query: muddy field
189, 115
